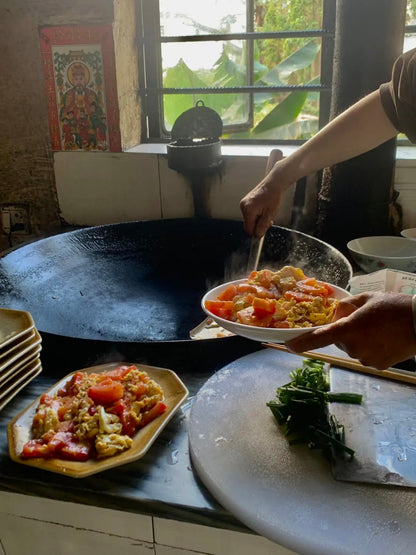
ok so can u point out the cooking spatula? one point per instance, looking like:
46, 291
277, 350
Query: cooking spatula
256, 246
256, 243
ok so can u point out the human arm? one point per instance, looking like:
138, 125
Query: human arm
360, 128
375, 328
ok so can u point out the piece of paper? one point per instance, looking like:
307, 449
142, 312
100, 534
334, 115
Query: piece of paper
390, 281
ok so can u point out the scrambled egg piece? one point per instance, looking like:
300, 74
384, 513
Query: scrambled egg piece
108, 445
108, 423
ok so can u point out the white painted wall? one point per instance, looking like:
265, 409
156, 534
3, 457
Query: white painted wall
98, 188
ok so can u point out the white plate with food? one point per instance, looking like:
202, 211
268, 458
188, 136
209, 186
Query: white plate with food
273, 306
113, 414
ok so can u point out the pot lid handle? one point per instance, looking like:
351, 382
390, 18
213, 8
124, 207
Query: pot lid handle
199, 122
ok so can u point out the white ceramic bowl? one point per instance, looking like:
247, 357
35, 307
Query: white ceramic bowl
410, 233
384, 251
266, 335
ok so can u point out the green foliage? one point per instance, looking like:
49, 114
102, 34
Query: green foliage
180, 76
411, 12
289, 15
276, 63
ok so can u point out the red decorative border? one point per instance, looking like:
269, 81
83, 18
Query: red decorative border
79, 35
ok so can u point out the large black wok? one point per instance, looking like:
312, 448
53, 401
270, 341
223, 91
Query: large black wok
137, 286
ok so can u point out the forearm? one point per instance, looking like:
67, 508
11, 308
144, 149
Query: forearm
359, 129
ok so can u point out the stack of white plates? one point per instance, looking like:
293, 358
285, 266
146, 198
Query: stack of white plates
20, 346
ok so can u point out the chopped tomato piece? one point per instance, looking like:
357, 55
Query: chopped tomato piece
123, 410
246, 288
65, 404
35, 448
118, 373
281, 324
298, 296
152, 413
72, 387
228, 294
223, 309
248, 317
58, 441
328, 287
66, 426
266, 278
141, 390
312, 286
75, 451
46, 399
106, 392
309, 281
263, 306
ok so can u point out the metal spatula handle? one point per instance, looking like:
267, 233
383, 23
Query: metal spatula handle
256, 244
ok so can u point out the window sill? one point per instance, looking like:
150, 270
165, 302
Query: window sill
227, 150
403, 153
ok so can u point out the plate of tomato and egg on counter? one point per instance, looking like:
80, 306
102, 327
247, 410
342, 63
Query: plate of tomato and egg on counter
273, 306
96, 418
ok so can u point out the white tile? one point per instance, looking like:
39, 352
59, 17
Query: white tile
175, 191
239, 176
99, 188
23, 536
214, 541
223, 190
120, 523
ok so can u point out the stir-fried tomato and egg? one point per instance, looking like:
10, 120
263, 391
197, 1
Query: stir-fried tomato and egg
283, 299
94, 415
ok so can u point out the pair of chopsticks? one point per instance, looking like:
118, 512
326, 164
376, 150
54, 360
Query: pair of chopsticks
389, 374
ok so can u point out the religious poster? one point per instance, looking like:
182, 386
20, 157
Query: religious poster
81, 87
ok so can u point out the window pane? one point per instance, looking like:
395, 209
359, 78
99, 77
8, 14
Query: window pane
286, 117
204, 60
411, 12
194, 65
225, 64
233, 108
202, 17
287, 15
409, 42
294, 61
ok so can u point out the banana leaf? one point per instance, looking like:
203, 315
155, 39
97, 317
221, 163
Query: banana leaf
300, 59
180, 76
285, 112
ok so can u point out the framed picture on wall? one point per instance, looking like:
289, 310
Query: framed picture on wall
81, 87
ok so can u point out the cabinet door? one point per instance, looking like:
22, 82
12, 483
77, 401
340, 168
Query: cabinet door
78, 516
214, 541
20, 536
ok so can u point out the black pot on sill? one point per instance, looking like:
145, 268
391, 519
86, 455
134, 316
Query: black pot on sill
196, 144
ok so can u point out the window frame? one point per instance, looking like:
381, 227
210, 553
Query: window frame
151, 88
